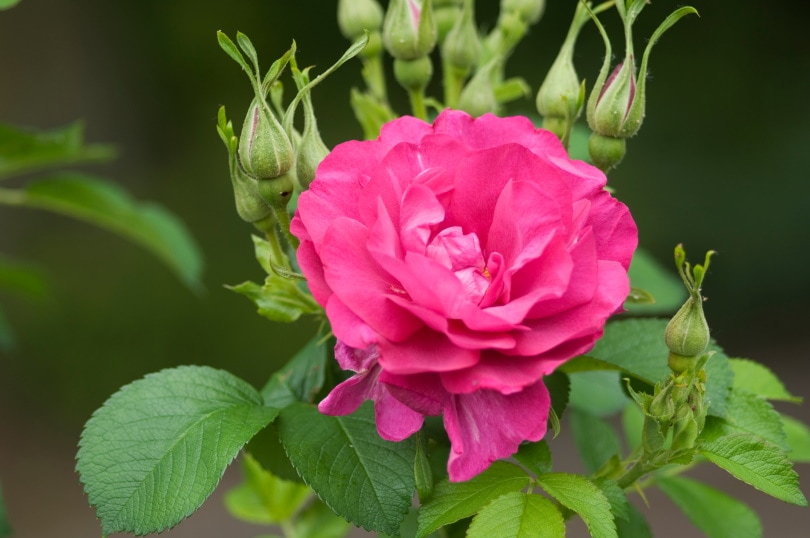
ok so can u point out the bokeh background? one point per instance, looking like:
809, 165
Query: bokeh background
721, 163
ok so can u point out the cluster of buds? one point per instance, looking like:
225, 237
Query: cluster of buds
678, 405
615, 108
271, 160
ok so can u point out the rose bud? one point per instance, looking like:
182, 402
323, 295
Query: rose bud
409, 31
265, 151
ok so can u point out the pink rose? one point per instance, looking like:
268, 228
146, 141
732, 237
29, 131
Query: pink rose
459, 263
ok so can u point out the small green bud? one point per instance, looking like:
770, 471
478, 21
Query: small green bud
529, 10
354, 16
512, 28
462, 47
685, 429
478, 96
687, 333
606, 152
310, 150
409, 31
265, 150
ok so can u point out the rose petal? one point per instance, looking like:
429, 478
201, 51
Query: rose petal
485, 426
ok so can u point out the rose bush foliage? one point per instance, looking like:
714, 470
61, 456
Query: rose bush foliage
459, 263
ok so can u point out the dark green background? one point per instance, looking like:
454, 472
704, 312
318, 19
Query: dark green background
721, 163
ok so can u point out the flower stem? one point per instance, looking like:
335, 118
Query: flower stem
418, 103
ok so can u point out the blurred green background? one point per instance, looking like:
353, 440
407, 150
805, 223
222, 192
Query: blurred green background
721, 163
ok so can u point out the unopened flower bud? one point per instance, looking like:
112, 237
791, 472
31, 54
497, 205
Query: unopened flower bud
478, 96
610, 115
264, 148
462, 47
409, 31
310, 149
354, 16
529, 10
687, 333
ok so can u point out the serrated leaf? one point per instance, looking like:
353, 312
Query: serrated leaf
25, 151
300, 379
637, 347
797, 437
579, 494
359, 475
716, 514
263, 498
230, 48
663, 284
518, 515
635, 526
536, 457
758, 463
108, 206
157, 448
5, 528
616, 497
760, 380
598, 393
595, 439
453, 501
750, 413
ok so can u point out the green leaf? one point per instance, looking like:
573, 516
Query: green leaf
637, 347
579, 494
518, 515
279, 299
24, 151
758, 379
716, 514
109, 206
758, 463
157, 448
750, 413
648, 274
5, 528
22, 278
230, 48
263, 498
598, 393
635, 526
453, 501
536, 457
7, 4
300, 379
359, 475
797, 437
595, 439
616, 497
